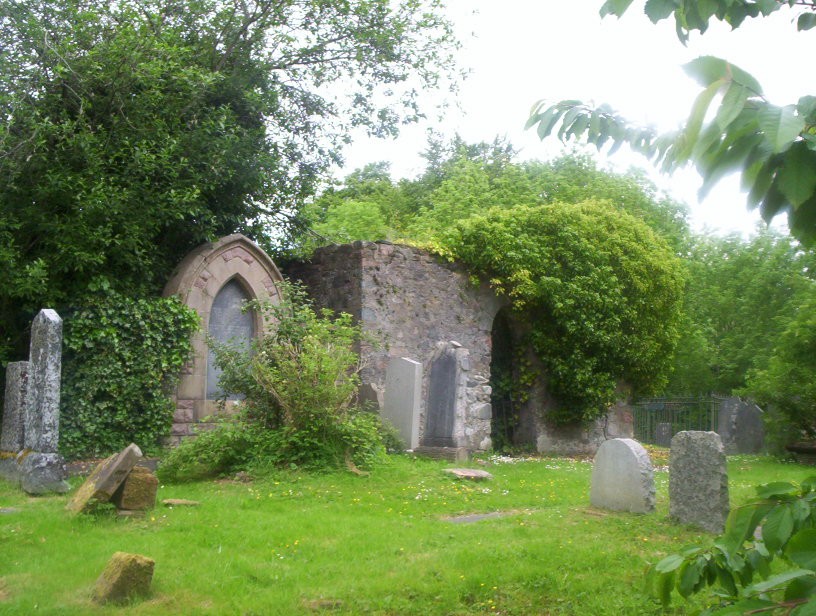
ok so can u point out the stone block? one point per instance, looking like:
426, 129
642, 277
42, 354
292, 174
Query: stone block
125, 577
43, 473
105, 479
698, 480
471, 474
403, 393
483, 412
138, 491
12, 434
622, 477
43, 391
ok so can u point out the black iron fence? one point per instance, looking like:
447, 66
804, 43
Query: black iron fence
658, 419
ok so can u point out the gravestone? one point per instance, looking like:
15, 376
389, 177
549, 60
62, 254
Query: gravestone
105, 479
12, 437
403, 391
663, 434
43, 391
741, 426
440, 407
698, 480
30, 439
125, 577
622, 477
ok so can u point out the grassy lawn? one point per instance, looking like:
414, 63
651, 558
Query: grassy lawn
343, 544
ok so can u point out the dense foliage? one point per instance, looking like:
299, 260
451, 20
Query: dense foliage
586, 256
779, 525
740, 295
599, 290
135, 130
299, 385
773, 147
121, 356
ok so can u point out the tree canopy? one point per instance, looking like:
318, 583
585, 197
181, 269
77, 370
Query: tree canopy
132, 131
772, 147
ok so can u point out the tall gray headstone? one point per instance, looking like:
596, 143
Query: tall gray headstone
622, 477
403, 392
43, 393
12, 436
440, 408
698, 480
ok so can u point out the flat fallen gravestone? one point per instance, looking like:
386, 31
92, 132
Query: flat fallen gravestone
622, 477
469, 473
698, 480
105, 479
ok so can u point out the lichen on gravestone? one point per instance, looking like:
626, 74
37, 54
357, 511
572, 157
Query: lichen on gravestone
105, 479
698, 480
138, 491
623, 477
126, 576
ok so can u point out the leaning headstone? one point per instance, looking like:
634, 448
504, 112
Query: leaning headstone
698, 480
622, 477
403, 393
126, 576
43, 391
105, 479
138, 491
13, 433
471, 474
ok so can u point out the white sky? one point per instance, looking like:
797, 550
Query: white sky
521, 51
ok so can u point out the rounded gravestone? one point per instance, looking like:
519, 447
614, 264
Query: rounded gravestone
623, 478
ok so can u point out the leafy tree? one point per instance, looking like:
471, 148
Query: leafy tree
773, 147
739, 297
133, 131
787, 382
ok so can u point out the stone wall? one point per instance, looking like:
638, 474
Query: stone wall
409, 301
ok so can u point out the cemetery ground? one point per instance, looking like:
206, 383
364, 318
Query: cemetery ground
390, 542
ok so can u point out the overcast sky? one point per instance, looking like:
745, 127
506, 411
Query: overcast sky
521, 51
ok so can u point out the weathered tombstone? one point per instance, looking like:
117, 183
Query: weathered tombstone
698, 480
138, 491
43, 391
12, 437
741, 426
126, 576
403, 391
440, 408
105, 479
42, 473
622, 477
663, 434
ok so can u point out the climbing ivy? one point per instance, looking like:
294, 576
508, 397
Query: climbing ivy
121, 356
599, 289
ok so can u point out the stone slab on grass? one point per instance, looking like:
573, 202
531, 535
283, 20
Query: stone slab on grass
179, 502
138, 491
105, 479
622, 477
126, 576
471, 474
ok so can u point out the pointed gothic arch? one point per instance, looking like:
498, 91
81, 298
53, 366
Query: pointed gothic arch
239, 265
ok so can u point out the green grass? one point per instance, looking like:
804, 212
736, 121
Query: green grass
344, 544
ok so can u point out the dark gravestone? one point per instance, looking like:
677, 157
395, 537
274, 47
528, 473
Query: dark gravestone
663, 434
750, 429
441, 405
231, 325
12, 434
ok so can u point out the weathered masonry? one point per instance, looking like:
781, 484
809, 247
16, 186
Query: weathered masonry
215, 280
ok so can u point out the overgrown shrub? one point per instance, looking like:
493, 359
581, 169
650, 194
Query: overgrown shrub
599, 289
121, 356
299, 383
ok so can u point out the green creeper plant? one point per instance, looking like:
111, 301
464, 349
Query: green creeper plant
121, 357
